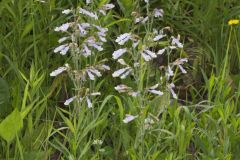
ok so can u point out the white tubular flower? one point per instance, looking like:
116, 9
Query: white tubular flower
97, 46
88, 1
123, 38
97, 142
150, 53
158, 37
86, 51
108, 6
41, 1
133, 94
105, 67
96, 72
155, 31
120, 72
158, 12
102, 11
88, 13
146, 57
149, 120
122, 62
182, 69
135, 43
80, 99
103, 34
103, 30
64, 50
161, 78
145, 20
124, 75
68, 101
89, 103
59, 48
95, 94
82, 30
103, 39
146, 1
180, 61
91, 76
175, 41
122, 88
170, 71
62, 39
183, 60
161, 51
85, 25
66, 11
138, 20
155, 92
155, 86
118, 53
58, 71
63, 27
92, 42
172, 47
170, 87
128, 118
136, 64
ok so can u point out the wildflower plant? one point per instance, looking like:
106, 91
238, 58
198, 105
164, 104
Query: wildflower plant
83, 42
135, 53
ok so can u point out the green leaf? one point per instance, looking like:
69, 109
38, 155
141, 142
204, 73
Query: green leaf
126, 6
68, 122
4, 97
11, 125
118, 21
28, 28
36, 155
120, 105
4, 91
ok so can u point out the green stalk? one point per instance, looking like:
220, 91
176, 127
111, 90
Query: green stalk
36, 58
238, 50
8, 150
227, 55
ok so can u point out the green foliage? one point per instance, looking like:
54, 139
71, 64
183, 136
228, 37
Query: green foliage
11, 125
205, 22
4, 97
126, 6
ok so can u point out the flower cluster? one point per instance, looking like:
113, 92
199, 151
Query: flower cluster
147, 47
83, 38
148, 54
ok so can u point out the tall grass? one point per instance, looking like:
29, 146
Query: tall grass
206, 22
